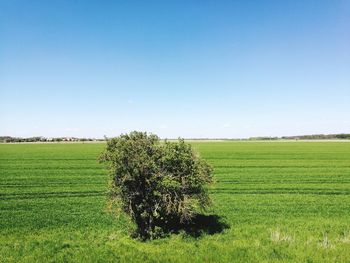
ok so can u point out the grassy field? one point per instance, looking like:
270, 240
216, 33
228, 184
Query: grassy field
283, 201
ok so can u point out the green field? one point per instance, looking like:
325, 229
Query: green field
283, 201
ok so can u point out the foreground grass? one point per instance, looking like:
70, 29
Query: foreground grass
284, 201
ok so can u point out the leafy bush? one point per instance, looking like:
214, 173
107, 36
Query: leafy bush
156, 182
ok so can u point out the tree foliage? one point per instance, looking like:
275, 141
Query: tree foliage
156, 182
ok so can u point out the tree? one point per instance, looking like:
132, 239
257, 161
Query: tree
156, 182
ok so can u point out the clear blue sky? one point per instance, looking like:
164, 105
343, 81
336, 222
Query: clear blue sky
175, 68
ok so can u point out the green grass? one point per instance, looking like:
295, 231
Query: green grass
284, 201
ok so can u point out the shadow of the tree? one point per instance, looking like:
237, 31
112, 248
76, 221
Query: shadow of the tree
199, 225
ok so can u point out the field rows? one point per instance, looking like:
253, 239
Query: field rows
282, 201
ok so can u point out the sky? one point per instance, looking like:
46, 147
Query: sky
192, 69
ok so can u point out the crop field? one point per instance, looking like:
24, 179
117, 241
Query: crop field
274, 201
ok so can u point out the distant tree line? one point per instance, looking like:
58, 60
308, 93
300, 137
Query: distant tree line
346, 136
307, 137
266, 138
10, 139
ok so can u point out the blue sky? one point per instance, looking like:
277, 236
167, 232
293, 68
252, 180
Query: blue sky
176, 68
